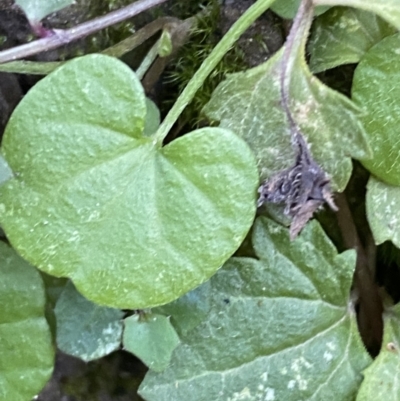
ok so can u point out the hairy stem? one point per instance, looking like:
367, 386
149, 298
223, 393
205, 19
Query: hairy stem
117, 50
61, 37
297, 36
371, 308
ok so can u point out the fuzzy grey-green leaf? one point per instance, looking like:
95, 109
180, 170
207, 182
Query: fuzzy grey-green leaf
84, 329
374, 90
343, 35
26, 350
382, 377
386, 9
383, 213
280, 327
249, 103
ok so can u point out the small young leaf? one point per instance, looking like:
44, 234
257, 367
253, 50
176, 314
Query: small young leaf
249, 103
383, 211
343, 35
389, 10
280, 327
133, 224
151, 338
84, 329
36, 10
165, 46
288, 8
375, 90
382, 377
26, 350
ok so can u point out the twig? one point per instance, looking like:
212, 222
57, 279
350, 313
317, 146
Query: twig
139, 37
117, 50
62, 37
179, 33
371, 308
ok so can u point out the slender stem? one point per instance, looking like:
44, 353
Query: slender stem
117, 50
148, 60
297, 36
370, 313
139, 37
209, 64
61, 37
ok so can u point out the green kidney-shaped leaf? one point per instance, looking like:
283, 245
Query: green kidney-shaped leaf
249, 103
133, 224
343, 35
382, 377
280, 327
375, 90
386, 9
383, 212
36, 10
84, 329
288, 8
26, 350
151, 338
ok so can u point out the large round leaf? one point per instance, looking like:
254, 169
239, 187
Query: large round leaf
375, 89
133, 224
26, 350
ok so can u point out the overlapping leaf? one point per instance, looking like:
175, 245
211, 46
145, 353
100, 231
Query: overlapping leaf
189, 310
36, 10
387, 9
151, 338
279, 327
343, 35
249, 103
133, 224
26, 350
383, 211
375, 90
5, 171
288, 8
382, 377
84, 329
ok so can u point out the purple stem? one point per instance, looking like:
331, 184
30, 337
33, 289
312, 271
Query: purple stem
61, 37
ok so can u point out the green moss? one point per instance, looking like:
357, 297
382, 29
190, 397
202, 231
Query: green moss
203, 39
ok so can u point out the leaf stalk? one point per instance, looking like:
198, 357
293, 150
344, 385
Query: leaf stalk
208, 65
